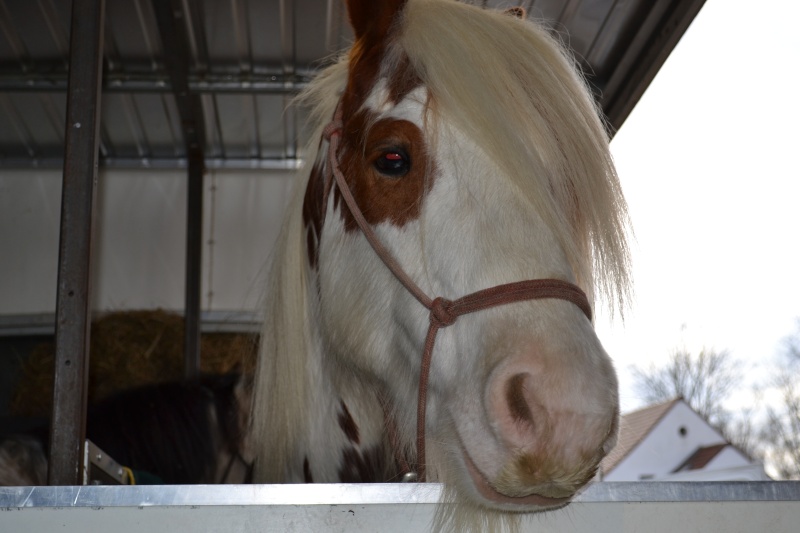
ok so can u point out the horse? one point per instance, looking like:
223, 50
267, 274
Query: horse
176, 432
23, 461
430, 295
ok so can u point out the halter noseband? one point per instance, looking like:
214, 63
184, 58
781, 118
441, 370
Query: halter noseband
443, 312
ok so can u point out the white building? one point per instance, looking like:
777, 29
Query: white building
672, 442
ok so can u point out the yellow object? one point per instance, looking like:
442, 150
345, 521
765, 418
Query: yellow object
131, 478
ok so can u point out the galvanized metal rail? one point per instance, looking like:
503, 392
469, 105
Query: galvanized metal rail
604, 507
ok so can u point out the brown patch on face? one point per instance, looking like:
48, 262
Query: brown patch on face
371, 17
381, 198
402, 80
348, 425
372, 25
401, 83
314, 211
364, 69
362, 466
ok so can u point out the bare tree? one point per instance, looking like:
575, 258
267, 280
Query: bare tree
745, 432
791, 348
781, 433
704, 380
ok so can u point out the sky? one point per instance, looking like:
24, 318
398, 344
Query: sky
708, 161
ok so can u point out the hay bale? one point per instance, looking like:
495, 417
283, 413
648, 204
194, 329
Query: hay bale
131, 349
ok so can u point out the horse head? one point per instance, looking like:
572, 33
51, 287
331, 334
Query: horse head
472, 152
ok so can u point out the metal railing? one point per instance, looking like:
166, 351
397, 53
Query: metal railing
603, 507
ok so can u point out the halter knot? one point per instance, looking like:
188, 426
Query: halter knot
442, 312
333, 127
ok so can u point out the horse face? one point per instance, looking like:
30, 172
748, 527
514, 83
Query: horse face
522, 398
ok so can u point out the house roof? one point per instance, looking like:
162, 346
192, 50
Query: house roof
700, 458
634, 427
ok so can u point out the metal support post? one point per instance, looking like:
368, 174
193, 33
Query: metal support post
73, 300
194, 254
172, 21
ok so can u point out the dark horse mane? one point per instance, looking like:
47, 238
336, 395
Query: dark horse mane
183, 432
172, 430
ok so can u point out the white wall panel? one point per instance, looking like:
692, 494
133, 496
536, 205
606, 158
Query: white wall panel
243, 215
140, 238
140, 231
30, 208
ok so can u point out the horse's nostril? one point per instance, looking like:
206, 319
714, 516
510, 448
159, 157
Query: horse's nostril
516, 398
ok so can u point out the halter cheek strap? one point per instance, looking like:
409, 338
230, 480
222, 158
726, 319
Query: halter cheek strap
443, 312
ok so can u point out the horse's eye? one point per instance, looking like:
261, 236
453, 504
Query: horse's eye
394, 163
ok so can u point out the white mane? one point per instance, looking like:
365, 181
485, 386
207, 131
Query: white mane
281, 396
508, 85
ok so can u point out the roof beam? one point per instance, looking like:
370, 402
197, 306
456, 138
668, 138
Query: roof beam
160, 82
288, 55
172, 25
165, 163
657, 36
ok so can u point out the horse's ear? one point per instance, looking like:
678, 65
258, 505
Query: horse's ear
373, 17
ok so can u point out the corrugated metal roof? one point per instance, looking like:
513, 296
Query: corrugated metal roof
246, 59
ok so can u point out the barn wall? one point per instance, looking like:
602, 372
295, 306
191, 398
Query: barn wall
140, 257
30, 206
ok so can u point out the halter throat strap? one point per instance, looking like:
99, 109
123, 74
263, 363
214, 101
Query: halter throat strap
443, 312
